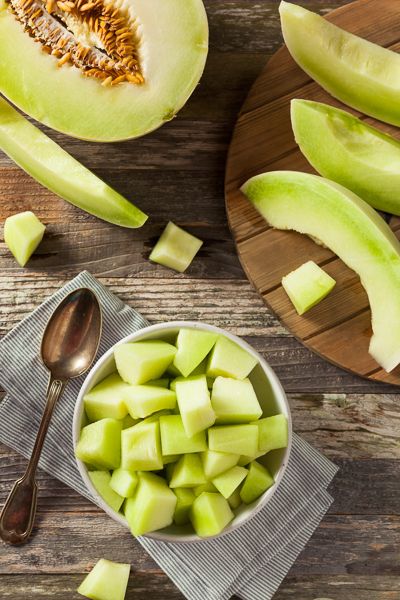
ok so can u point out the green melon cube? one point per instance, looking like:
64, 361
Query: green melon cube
234, 439
258, 481
210, 381
129, 422
185, 499
100, 444
194, 404
172, 371
163, 382
234, 401
215, 463
174, 439
106, 581
176, 248
140, 362
152, 507
171, 458
228, 482
141, 447
188, 472
101, 481
147, 399
169, 470
193, 346
106, 399
272, 433
155, 417
245, 460
210, 514
204, 487
124, 482
23, 233
235, 500
227, 359
307, 286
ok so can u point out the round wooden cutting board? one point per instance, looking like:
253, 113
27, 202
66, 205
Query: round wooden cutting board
339, 328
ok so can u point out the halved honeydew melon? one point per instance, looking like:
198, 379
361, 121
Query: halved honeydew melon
147, 399
187, 472
170, 40
193, 346
194, 403
174, 439
141, 447
226, 483
106, 581
357, 72
23, 233
101, 480
353, 230
185, 499
234, 401
99, 444
210, 514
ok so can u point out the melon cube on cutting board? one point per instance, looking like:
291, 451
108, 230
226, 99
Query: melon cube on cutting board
106, 399
185, 499
215, 463
258, 481
240, 439
235, 500
23, 233
106, 581
210, 514
145, 400
175, 248
187, 472
140, 362
193, 346
174, 439
141, 447
124, 482
234, 401
307, 286
101, 481
228, 482
100, 444
272, 433
194, 404
227, 359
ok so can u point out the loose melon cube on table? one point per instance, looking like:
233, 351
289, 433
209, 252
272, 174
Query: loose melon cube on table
215, 463
124, 482
307, 286
228, 482
106, 399
210, 514
227, 359
185, 499
272, 433
140, 362
187, 472
193, 346
235, 500
194, 404
152, 507
100, 444
106, 581
23, 233
101, 481
258, 481
141, 447
174, 439
145, 400
234, 439
176, 248
204, 487
234, 401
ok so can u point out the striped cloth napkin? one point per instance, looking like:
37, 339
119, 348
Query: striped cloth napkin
250, 562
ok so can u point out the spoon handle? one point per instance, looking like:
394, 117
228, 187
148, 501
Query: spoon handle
18, 514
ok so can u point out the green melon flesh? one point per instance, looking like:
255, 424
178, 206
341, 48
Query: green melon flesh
58, 171
342, 148
188, 472
100, 444
307, 286
176, 248
141, 447
228, 482
185, 499
106, 399
163, 382
258, 481
352, 229
140, 362
234, 401
357, 72
235, 500
107, 581
204, 487
102, 482
172, 57
272, 433
147, 399
215, 463
194, 404
174, 439
210, 514
124, 482
193, 346
241, 439
170, 458
152, 507
129, 422
23, 232
227, 359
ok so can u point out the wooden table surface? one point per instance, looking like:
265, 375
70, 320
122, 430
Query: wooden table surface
177, 173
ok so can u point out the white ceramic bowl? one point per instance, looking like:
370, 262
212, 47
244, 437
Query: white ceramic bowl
270, 394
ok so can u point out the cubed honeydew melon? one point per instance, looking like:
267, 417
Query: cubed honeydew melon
124, 482
141, 447
194, 403
171, 458
272, 433
227, 482
169, 470
100, 444
176, 248
152, 507
246, 460
215, 463
188, 472
234, 401
173, 372
101, 480
210, 381
140, 362
204, 487
307, 285
210, 514
227, 359
235, 500
106, 399
356, 71
174, 439
353, 230
185, 499
241, 439
106, 581
349, 151
23, 233
163, 382
258, 481
154, 417
145, 400
129, 422
193, 346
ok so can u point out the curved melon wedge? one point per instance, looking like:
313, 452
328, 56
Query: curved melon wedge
352, 229
357, 72
58, 171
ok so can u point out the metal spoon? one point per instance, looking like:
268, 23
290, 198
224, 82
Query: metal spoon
69, 346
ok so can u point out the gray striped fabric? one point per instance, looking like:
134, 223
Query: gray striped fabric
251, 561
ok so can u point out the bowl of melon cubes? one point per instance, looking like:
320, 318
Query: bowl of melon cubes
182, 432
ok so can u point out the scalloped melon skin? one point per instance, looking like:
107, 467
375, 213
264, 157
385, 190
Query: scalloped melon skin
173, 58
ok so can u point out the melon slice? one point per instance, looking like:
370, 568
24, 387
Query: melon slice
228, 482
194, 404
174, 439
227, 359
147, 399
357, 72
185, 499
124, 482
204, 487
140, 362
193, 346
352, 229
258, 481
102, 482
215, 463
188, 472
100, 444
272, 433
342, 148
235, 500
241, 439
23, 232
106, 399
210, 514
141, 447
152, 507
106, 581
307, 286
176, 248
234, 401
